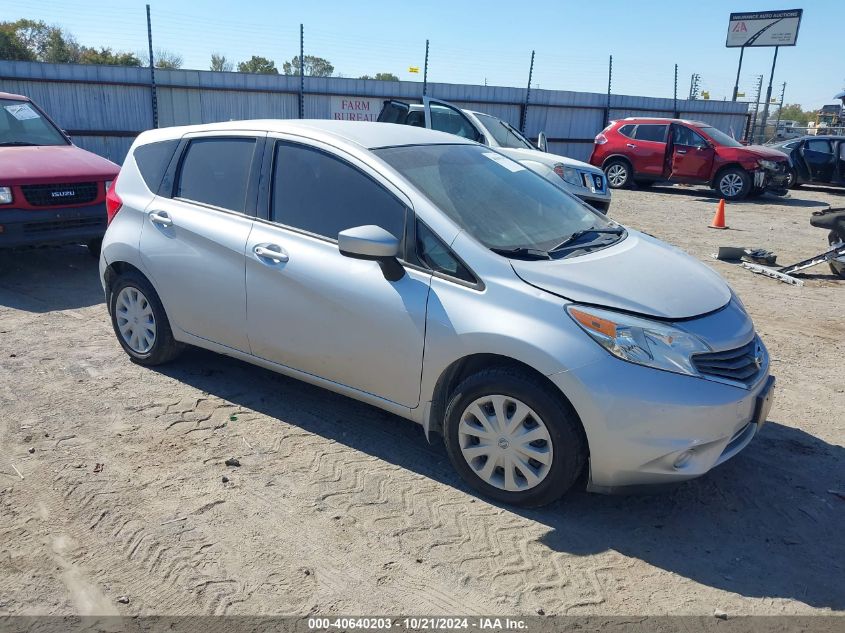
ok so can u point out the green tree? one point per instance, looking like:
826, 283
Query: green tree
11, 46
220, 63
257, 64
794, 112
105, 56
314, 66
167, 60
381, 77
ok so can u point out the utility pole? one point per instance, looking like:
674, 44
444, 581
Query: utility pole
527, 95
676, 113
425, 70
768, 96
301, 71
759, 88
153, 91
738, 70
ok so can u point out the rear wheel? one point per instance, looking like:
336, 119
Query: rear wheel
139, 321
733, 183
619, 173
513, 440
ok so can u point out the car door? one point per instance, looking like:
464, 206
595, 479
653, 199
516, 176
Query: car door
839, 174
193, 238
691, 155
393, 111
445, 117
311, 308
818, 154
645, 146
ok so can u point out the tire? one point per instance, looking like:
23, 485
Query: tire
559, 438
132, 303
643, 184
619, 173
94, 247
733, 183
837, 268
792, 181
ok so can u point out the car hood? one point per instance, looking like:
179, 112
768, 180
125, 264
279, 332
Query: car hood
760, 151
640, 274
43, 164
547, 159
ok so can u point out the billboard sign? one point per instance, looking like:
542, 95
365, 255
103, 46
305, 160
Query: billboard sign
764, 28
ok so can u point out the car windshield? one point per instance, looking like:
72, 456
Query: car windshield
496, 200
719, 137
505, 135
22, 124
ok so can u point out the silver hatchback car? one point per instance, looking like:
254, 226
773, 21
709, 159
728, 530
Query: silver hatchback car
442, 281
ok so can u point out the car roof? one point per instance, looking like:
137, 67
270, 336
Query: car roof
9, 95
648, 119
366, 134
827, 137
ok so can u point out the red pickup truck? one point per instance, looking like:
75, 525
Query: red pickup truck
643, 151
51, 191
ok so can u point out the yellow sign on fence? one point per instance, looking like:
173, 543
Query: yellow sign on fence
414, 69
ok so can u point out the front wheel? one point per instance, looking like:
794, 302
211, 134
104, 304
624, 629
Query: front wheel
733, 184
792, 180
619, 173
512, 439
139, 321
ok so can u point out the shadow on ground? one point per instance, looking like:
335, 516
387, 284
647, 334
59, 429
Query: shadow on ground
28, 278
760, 525
708, 195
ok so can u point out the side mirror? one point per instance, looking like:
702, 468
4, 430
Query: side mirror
542, 142
375, 244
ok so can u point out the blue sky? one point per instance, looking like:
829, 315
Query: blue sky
474, 42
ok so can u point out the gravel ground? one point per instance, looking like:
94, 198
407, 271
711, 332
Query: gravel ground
124, 504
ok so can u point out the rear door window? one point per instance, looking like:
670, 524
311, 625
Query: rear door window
821, 146
650, 132
316, 192
216, 171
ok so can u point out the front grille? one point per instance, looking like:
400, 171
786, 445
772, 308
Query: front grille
60, 194
742, 364
63, 225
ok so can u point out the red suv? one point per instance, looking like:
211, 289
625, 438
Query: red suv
51, 191
646, 150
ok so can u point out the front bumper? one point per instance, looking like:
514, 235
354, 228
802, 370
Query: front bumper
600, 203
22, 227
772, 181
648, 427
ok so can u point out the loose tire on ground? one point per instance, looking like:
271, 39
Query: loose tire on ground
837, 268
618, 173
140, 322
565, 449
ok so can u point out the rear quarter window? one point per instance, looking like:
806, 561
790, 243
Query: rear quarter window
153, 159
627, 130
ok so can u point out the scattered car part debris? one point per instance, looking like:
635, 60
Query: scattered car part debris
759, 256
98, 468
833, 219
729, 253
233, 461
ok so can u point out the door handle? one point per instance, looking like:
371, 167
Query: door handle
631, 145
681, 151
273, 252
161, 218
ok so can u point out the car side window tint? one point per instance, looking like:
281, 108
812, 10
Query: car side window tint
651, 132
216, 171
687, 136
438, 257
627, 130
446, 119
316, 192
153, 160
819, 145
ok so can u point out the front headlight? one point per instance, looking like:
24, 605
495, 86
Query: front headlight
569, 174
768, 164
5, 195
638, 340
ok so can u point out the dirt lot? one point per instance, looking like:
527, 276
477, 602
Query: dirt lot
340, 508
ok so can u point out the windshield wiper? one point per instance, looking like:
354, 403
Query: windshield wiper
577, 235
9, 143
521, 252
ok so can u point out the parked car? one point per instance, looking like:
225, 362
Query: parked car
818, 160
51, 191
580, 179
643, 151
425, 275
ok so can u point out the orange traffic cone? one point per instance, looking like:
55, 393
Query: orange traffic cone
719, 218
